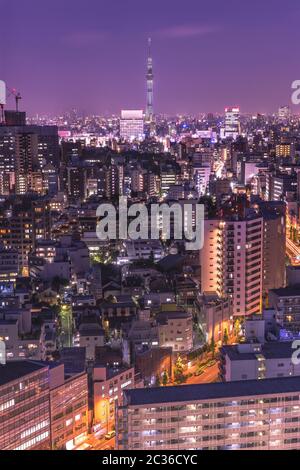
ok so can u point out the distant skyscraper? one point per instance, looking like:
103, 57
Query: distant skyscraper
149, 109
232, 122
132, 124
284, 114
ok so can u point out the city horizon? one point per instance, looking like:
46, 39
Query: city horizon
149, 228
203, 58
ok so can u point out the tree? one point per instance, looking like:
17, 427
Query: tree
225, 336
213, 346
178, 370
165, 378
237, 325
157, 380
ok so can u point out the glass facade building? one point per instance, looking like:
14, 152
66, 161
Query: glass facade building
24, 407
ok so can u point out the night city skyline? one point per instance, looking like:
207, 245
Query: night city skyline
149, 228
205, 56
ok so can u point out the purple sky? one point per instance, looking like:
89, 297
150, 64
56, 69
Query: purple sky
91, 54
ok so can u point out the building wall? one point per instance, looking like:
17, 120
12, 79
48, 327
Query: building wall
232, 262
107, 392
259, 422
274, 242
24, 413
177, 334
288, 310
218, 319
69, 412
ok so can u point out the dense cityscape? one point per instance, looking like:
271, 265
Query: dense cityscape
111, 342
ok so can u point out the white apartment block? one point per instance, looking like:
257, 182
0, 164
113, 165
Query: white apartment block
250, 361
232, 262
175, 330
253, 415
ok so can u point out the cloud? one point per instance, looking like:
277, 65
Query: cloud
187, 31
82, 39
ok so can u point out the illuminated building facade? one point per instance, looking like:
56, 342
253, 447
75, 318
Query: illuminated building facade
253, 360
253, 415
24, 406
131, 125
68, 408
232, 122
41, 408
9, 264
109, 384
232, 260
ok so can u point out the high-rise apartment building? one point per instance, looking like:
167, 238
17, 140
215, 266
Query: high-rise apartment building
22, 149
26, 161
22, 225
232, 260
114, 181
17, 232
76, 182
274, 241
7, 159
285, 150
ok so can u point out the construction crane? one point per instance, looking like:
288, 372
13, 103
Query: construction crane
16, 94
5, 93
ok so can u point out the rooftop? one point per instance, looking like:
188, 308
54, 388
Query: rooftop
162, 317
289, 291
16, 369
194, 393
274, 350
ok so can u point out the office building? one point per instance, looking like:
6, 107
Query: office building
232, 123
24, 406
284, 113
68, 408
41, 407
131, 125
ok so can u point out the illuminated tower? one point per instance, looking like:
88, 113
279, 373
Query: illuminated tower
149, 76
